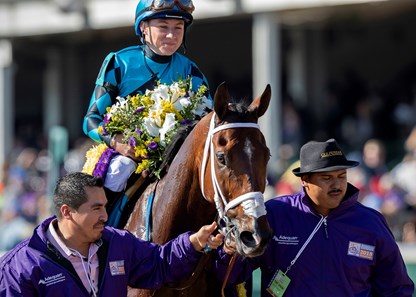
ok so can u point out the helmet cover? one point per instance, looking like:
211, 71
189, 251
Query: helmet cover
144, 12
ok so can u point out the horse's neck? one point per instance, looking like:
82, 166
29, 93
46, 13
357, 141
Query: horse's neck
183, 170
183, 176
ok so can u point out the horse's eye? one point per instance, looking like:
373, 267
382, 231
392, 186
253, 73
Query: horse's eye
221, 157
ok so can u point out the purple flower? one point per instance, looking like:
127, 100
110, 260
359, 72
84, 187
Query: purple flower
107, 154
186, 122
105, 132
153, 145
106, 119
133, 141
139, 132
140, 109
103, 163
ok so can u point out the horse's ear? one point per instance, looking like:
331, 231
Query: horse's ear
221, 100
261, 103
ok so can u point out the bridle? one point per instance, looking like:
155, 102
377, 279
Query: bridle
252, 202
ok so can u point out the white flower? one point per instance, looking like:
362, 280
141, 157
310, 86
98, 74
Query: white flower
122, 102
160, 93
182, 103
199, 110
168, 125
155, 113
154, 127
151, 127
177, 92
175, 97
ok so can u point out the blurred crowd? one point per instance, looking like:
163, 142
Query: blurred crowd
24, 196
389, 189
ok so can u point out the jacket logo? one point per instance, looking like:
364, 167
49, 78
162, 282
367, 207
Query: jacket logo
287, 240
361, 250
51, 280
117, 267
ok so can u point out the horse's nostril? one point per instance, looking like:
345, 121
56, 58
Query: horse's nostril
248, 239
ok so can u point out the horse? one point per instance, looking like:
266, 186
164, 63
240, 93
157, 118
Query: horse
219, 173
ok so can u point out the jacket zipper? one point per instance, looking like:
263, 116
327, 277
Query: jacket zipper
326, 228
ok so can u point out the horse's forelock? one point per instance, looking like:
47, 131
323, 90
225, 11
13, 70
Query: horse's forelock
239, 107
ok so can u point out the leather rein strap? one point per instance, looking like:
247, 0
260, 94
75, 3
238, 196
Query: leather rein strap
191, 280
227, 275
201, 264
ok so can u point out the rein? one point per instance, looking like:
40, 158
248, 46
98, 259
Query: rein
191, 280
252, 202
230, 267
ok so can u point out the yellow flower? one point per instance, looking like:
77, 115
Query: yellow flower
142, 166
135, 100
167, 107
178, 115
147, 101
93, 155
140, 151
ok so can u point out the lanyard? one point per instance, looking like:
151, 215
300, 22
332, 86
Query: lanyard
87, 270
321, 221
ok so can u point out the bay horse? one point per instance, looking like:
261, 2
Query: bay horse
219, 172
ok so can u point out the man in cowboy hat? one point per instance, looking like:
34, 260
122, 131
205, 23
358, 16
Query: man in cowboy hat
325, 242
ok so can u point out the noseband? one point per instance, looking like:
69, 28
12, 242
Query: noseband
252, 202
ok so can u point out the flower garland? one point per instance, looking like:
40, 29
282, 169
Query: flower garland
104, 162
149, 123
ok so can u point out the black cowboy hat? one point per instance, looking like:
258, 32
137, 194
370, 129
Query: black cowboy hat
322, 156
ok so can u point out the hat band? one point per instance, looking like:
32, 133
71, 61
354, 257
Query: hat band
325, 163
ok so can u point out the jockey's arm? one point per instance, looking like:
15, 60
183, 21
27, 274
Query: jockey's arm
104, 95
100, 100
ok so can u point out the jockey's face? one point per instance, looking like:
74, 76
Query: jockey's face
163, 36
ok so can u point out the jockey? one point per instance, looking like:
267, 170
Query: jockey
161, 26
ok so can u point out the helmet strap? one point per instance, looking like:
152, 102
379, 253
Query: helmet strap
143, 38
184, 43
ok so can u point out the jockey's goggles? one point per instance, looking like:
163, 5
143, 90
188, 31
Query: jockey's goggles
186, 5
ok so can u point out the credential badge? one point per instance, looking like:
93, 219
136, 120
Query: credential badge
117, 268
361, 250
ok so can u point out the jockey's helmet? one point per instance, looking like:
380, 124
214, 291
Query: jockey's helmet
155, 9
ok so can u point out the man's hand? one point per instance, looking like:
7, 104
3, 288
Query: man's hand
204, 238
230, 249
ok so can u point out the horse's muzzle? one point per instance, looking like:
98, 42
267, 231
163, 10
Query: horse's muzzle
252, 242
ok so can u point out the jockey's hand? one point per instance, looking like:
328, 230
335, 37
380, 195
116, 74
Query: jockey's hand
204, 238
124, 148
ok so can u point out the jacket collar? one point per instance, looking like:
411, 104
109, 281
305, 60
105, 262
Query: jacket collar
155, 57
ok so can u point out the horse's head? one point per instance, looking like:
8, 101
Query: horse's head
236, 170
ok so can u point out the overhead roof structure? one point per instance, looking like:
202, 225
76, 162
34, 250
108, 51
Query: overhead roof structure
40, 17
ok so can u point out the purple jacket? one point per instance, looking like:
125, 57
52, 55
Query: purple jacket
35, 268
353, 253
